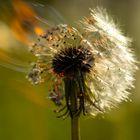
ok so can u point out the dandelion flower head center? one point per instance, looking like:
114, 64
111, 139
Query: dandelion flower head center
71, 60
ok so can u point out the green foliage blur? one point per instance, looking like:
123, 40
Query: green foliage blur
25, 110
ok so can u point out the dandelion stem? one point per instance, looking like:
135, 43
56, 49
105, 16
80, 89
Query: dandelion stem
75, 129
71, 93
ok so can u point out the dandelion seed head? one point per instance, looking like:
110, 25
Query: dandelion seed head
97, 59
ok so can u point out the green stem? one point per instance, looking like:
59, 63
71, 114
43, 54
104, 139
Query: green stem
75, 129
71, 93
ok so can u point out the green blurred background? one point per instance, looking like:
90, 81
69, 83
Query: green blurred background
25, 111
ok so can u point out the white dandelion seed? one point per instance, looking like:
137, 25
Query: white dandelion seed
97, 60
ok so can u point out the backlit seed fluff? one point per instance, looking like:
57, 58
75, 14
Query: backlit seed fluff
97, 57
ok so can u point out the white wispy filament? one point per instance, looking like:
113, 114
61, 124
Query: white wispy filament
113, 72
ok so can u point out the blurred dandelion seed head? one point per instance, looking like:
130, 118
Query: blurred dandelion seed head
97, 58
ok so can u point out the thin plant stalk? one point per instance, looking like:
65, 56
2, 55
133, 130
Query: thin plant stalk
71, 93
75, 128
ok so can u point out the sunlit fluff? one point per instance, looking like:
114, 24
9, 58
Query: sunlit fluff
111, 72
